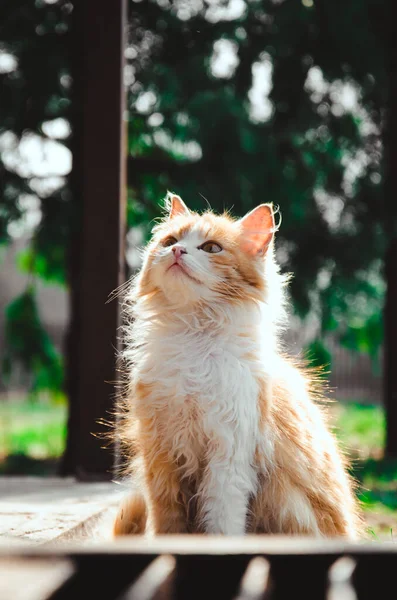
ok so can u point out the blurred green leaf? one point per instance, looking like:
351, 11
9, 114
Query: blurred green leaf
318, 355
29, 346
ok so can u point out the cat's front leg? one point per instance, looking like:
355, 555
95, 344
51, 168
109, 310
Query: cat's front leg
231, 424
225, 493
167, 513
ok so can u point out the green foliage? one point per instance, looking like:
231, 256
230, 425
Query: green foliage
28, 345
318, 355
366, 338
378, 479
195, 130
37, 90
36, 430
305, 148
49, 270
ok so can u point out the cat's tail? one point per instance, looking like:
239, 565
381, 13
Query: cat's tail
131, 517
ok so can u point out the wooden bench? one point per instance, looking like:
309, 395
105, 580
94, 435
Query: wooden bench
205, 568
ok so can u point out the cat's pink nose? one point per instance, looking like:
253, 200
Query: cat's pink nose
178, 250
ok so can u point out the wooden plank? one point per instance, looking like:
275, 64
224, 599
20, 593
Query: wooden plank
155, 582
37, 579
340, 579
97, 257
255, 582
267, 546
40, 510
213, 567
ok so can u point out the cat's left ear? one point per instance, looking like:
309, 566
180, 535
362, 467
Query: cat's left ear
257, 229
175, 206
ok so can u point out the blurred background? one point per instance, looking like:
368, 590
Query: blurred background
234, 102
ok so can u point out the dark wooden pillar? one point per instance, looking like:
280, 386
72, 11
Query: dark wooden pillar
390, 314
96, 253
390, 359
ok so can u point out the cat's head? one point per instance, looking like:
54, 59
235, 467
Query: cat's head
207, 258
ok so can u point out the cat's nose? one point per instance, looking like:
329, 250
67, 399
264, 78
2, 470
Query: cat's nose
178, 250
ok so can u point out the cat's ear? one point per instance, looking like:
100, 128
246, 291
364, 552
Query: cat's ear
175, 206
257, 229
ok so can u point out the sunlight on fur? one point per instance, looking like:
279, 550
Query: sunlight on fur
223, 433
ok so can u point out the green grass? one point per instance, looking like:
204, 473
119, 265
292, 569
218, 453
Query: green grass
34, 429
360, 428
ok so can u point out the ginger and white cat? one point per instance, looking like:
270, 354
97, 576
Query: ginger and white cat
222, 429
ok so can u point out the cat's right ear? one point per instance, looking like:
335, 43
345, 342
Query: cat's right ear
257, 228
175, 206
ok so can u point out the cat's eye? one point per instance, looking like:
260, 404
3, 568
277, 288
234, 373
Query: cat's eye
211, 247
169, 241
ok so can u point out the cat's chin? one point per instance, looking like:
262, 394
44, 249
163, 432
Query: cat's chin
180, 271
180, 292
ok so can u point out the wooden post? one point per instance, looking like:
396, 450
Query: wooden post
390, 358
390, 313
96, 256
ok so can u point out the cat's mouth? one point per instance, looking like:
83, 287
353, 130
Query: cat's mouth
177, 266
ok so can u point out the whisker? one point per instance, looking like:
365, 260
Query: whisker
207, 201
116, 293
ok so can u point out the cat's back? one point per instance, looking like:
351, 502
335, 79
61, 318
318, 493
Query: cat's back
301, 420
299, 393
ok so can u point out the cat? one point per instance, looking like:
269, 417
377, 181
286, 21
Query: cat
223, 432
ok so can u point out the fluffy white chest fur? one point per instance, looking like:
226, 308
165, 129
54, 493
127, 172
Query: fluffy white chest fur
204, 385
